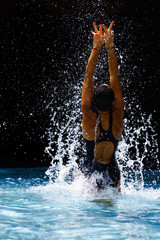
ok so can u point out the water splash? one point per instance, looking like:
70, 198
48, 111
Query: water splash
135, 146
66, 137
65, 143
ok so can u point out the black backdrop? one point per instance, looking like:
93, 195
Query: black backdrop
35, 41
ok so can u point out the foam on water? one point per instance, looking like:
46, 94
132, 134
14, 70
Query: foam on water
81, 191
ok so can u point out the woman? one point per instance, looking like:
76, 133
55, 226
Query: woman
102, 113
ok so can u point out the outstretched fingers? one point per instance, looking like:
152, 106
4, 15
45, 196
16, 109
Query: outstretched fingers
105, 29
97, 32
95, 27
100, 30
110, 27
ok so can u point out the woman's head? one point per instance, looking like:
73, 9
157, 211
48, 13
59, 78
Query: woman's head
103, 97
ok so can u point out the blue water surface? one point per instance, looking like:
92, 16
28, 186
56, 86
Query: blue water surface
32, 207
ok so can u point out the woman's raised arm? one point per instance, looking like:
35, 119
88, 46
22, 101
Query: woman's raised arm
88, 86
113, 69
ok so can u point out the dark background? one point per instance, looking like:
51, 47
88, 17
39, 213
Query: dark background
37, 38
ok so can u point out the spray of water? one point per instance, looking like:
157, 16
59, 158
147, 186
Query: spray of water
65, 143
132, 150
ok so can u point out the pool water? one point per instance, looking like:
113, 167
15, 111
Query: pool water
34, 207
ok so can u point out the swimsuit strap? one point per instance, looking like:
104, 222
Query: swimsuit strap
107, 135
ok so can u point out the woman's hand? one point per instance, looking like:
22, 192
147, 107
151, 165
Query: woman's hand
108, 36
97, 36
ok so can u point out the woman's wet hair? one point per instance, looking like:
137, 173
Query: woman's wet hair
103, 98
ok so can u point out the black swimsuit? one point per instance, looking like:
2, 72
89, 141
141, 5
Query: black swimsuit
111, 172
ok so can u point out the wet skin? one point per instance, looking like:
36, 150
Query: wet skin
104, 150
